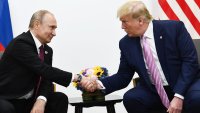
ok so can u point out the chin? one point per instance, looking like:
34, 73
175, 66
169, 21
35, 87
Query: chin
48, 41
132, 35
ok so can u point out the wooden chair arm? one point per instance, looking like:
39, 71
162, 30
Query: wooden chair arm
135, 81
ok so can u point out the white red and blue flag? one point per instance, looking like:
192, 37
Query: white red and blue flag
6, 34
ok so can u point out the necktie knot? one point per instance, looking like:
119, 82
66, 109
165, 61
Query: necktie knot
144, 39
41, 47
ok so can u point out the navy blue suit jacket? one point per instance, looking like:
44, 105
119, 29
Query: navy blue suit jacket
176, 53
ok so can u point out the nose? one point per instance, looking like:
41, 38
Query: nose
54, 33
123, 26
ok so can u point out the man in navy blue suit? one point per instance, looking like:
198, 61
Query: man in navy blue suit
175, 57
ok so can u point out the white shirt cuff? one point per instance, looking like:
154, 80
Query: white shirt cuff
42, 98
101, 84
179, 96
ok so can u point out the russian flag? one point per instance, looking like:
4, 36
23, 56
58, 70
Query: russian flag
6, 34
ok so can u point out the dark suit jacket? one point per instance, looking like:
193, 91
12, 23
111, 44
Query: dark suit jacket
176, 53
20, 67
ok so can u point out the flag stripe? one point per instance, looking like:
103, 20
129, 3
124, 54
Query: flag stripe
181, 15
6, 34
167, 9
1, 47
193, 20
194, 8
197, 2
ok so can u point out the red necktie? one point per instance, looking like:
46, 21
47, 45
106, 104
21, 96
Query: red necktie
41, 56
155, 75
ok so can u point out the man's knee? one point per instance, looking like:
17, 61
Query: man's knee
6, 107
61, 96
128, 98
57, 102
192, 101
132, 103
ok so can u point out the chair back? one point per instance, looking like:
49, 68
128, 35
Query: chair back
197, 45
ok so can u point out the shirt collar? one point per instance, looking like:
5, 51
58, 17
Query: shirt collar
149, 31
37, 42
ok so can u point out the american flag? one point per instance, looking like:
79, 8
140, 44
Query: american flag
187, 11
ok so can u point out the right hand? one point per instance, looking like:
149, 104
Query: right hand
176, 105
89, 83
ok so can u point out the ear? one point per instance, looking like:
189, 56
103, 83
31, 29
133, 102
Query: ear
36, 24
141, 20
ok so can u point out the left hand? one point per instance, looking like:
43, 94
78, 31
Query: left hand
176, 105
39, 106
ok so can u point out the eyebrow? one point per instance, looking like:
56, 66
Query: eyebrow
54, 26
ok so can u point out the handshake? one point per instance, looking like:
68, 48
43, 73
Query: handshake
88, 79
89, 83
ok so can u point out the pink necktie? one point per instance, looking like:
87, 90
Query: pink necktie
41, 56
153, 69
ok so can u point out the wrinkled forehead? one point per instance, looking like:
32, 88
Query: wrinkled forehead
50, 20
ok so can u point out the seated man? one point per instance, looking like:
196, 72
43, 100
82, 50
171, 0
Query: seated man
26, 72
164, 56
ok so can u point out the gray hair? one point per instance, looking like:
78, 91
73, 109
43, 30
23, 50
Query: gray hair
39, 15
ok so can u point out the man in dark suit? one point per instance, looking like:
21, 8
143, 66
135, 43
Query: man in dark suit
26, 72
175, 58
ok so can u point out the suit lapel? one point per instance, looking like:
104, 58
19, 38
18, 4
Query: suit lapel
47, 55
160, 38
137, 52
30, 40
140, 60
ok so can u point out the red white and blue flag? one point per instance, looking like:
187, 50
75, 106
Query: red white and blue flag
6, 34
187, 11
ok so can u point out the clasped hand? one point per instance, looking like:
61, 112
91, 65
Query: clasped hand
89, 84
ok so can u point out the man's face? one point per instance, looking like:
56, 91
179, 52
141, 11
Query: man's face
131, 26
46, 29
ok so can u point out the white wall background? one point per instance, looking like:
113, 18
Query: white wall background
87, 35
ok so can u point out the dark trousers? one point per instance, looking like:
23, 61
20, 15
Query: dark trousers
56, 103
141, 100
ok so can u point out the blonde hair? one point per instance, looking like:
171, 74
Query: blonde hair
39, 15
136, 9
